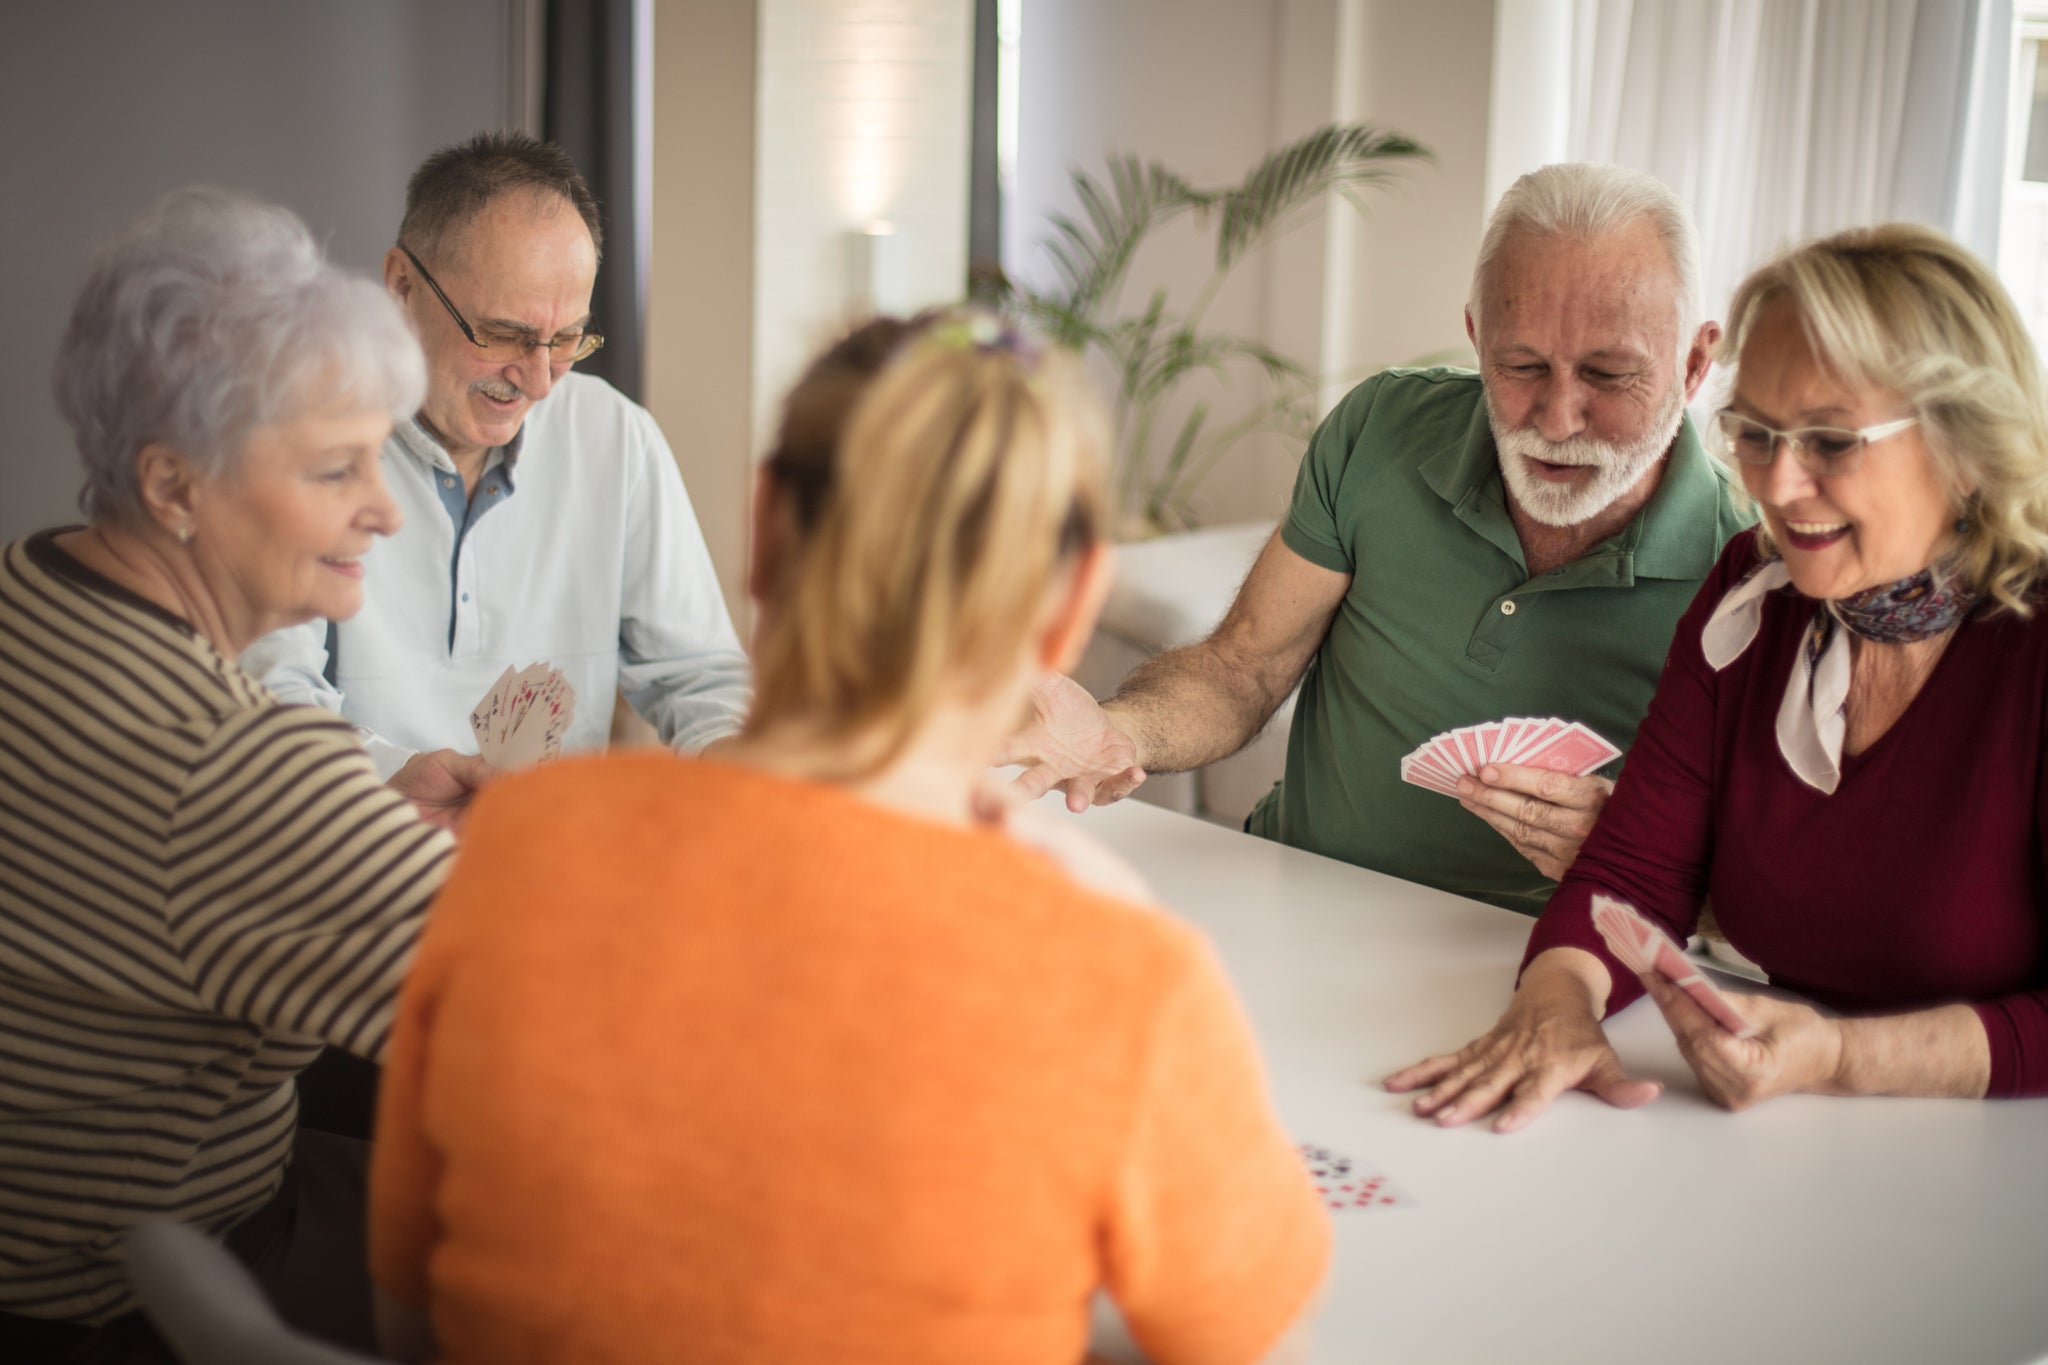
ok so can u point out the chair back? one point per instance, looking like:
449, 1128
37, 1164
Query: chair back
208, 1306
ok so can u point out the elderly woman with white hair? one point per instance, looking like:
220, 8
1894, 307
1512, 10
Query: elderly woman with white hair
201, 886
1848, 750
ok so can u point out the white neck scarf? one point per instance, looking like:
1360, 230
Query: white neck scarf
1811, 725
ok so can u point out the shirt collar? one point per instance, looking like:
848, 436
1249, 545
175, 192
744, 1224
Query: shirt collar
414, 438
1676, 535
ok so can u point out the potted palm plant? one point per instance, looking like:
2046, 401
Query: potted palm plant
1153, 350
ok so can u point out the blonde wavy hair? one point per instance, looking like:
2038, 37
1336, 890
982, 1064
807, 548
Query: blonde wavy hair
1903, 307
940, 474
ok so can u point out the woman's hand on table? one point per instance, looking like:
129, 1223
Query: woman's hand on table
1546, 815
440, 784
1548, 1042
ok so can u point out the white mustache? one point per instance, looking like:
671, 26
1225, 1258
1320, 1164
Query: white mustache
498, 389
1574, 450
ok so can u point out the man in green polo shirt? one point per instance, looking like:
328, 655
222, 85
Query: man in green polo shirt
1461, 547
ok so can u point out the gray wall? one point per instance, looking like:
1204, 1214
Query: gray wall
318, 105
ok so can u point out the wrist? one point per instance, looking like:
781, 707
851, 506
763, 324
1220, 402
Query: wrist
1124, 721
1843, 1064
1566, 978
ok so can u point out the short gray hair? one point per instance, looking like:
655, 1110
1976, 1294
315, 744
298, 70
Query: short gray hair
1578, 199
458, 182
216, 314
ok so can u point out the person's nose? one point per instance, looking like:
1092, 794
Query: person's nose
1785, 479
534, 372
1560, 410
381, 514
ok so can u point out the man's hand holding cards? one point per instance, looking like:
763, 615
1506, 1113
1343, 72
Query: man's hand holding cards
1563, 746
524, 717
1528, 777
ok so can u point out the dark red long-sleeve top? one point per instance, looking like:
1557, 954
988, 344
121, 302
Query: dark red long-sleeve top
1919, 882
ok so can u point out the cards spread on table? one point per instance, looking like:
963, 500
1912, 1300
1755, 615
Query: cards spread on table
524, 717
1350, 1186
1643, 947
1564, 746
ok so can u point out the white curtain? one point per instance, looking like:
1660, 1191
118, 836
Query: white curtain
1780, 120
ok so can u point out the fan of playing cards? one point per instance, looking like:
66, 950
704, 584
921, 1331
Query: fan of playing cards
1643, 947
524, 716
1563, 746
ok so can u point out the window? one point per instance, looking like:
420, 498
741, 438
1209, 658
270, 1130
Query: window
2023, 220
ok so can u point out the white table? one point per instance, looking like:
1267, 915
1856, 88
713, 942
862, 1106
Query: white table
1808, 1230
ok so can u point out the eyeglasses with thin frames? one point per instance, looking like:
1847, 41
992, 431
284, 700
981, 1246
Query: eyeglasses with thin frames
1821, 451
506, 347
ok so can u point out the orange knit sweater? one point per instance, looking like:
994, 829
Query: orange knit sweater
703, 1064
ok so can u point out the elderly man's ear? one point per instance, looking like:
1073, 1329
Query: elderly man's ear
1700, 358
169, 489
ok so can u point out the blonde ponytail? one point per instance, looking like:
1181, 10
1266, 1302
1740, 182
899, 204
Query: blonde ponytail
965, 476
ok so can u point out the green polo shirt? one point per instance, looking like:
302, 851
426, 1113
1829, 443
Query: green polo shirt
1442, 625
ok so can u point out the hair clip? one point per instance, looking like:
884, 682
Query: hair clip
982, 331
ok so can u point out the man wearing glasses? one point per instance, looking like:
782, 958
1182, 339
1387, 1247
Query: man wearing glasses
544, 517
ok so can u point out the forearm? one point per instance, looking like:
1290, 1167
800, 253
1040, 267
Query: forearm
1193, 706
1941, 1053
697, 701
1566, 976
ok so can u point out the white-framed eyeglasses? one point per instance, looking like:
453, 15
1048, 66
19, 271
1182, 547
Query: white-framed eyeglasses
1820, 451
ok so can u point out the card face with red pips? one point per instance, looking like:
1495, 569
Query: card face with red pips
1348, 1185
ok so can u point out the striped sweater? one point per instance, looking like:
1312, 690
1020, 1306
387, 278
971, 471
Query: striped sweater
199, 887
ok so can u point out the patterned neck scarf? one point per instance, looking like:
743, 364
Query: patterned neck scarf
1811, 723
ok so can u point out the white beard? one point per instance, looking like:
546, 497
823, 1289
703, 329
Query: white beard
1616, 468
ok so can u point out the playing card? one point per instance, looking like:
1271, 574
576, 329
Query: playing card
525, 716
1349, 1186
1575, 750
1535, 732
1643, 947
483, 720
1549, 742
1427, 775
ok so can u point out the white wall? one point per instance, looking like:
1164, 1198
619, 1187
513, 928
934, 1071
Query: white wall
1210, 86
109, 103
862, 118
700, 283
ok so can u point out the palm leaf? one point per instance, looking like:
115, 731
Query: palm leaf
1341, 157
1092, 257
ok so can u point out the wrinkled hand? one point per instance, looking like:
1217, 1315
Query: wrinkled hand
440, 783
1796, 1048
1546, 815
1070, 743
1548, 1042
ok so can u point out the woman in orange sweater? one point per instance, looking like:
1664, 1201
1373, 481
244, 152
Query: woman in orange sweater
792, 1053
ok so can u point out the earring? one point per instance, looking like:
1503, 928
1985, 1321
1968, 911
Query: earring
185, 534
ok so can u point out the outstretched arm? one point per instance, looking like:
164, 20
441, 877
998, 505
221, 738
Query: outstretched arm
1187, 707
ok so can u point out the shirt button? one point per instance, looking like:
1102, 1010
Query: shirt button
465, 597
490, 488
448, 483
1507, 608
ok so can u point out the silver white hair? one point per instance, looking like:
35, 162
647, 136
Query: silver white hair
213, 315
1577, 199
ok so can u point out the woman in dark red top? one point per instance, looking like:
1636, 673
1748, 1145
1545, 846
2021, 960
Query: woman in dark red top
1848, 751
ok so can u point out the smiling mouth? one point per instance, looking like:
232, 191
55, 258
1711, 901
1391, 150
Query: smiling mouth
1814, 535
350, 566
